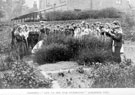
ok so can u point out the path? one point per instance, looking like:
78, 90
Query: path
59, 66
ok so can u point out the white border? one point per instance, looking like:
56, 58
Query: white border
113, 91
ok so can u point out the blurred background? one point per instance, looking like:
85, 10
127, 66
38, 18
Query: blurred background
13, 8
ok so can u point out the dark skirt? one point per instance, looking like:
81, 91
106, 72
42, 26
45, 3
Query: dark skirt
116, 54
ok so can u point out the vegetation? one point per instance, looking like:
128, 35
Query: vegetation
114, 76
14, 73
22, 75
87, 14
52, 53
58, 48
1, 14
128, 24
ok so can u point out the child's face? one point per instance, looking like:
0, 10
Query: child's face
106, 26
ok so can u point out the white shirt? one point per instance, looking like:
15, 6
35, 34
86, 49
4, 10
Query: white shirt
37, 46
77, 33
86, 32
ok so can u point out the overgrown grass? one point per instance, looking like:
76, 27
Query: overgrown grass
114, 76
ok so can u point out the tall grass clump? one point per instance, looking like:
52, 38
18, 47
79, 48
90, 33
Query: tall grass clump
52, 53
93, 50
95, 56
57, 48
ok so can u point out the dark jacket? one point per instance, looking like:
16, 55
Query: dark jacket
117, 39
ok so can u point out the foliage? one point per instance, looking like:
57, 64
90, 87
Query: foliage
74, 46
54, 38
52, 53
86, 14
57, 15
109, 13
93, 50
97, 55
128, 18
24, 76
5, 64
1, 14
114, 76
128, 27
1, 84
58, 48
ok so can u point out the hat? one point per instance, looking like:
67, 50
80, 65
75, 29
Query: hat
108, 24
98, 23
116, 23
83, 22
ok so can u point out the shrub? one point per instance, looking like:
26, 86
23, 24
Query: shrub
93, 50
60, 48
71, 43
50, 16
57, 15
52, 53
73, 46
68, 15
85, 14
89, 57
109, 13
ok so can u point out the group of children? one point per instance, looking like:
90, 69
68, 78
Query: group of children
111, 32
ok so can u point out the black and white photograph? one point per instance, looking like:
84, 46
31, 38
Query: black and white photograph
67, 44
